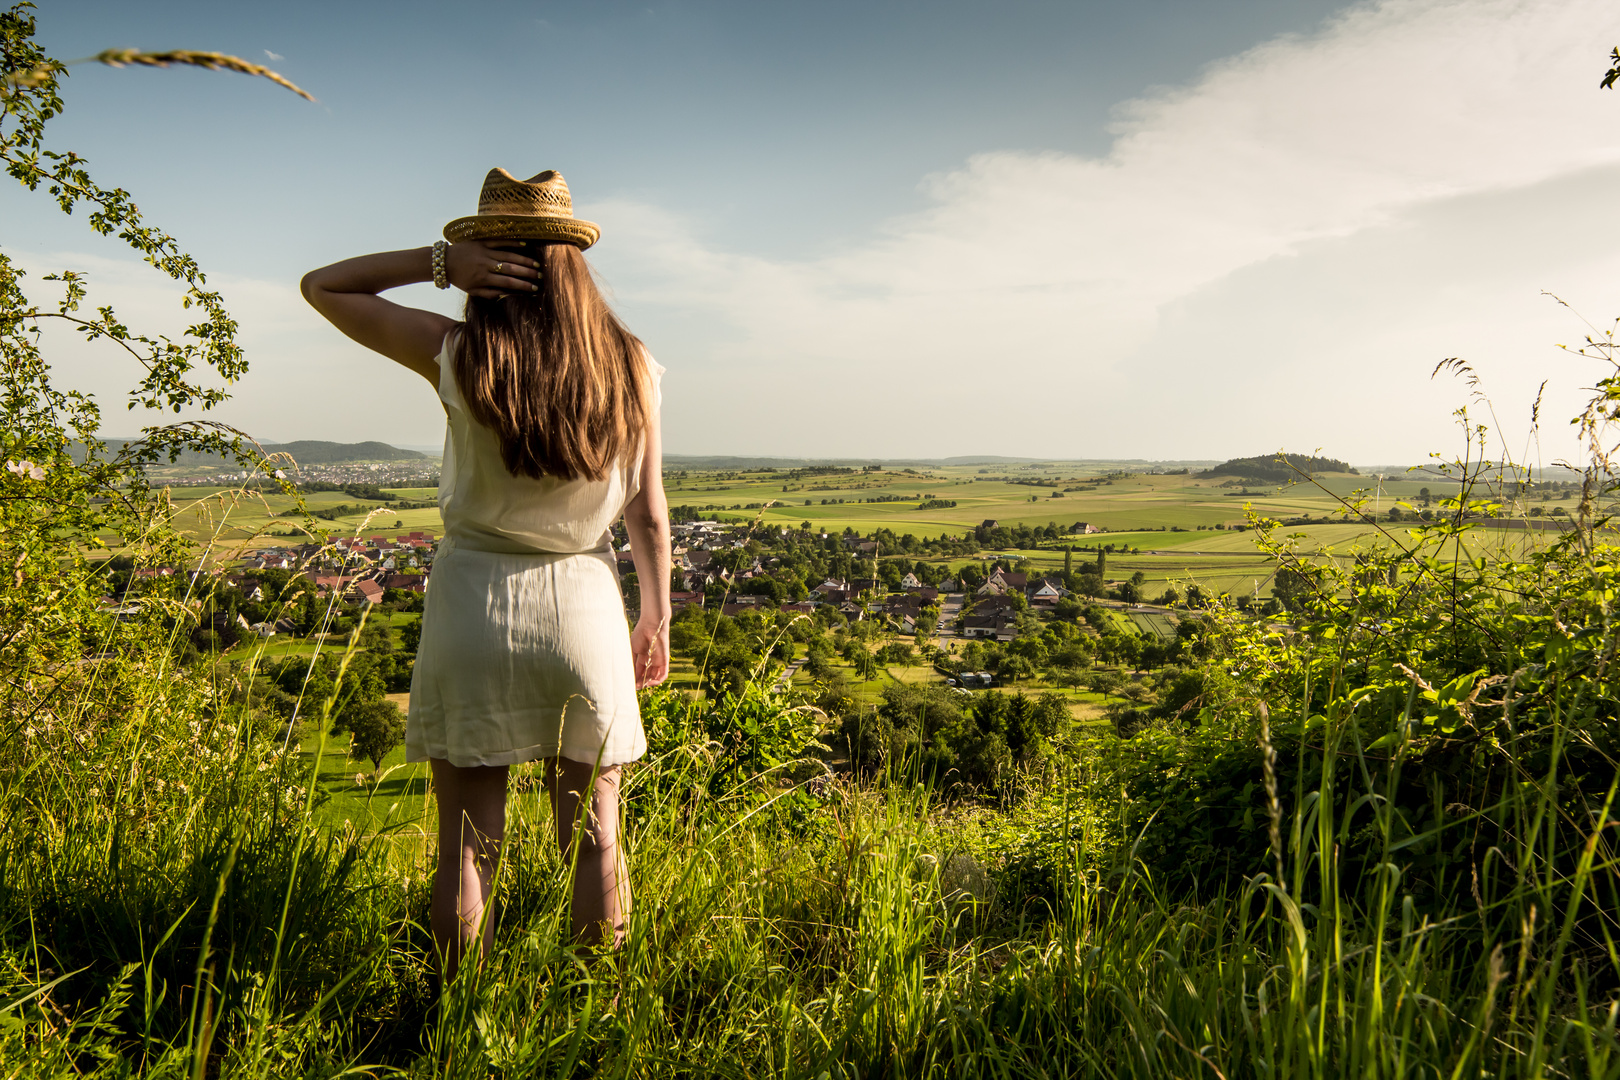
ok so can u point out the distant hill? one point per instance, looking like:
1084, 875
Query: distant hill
305, 452
701, 461
1271, 468
314, 452
740, 462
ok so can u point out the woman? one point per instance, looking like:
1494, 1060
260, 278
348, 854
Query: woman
553, 434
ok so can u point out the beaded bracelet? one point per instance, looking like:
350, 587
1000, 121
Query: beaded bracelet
441, 278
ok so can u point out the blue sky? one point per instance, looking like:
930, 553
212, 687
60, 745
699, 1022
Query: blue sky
1158, 229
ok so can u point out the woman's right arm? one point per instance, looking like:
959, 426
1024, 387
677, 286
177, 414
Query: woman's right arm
346, 293
646, 519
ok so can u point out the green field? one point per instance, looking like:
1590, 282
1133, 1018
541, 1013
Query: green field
1174, 529
1155, 623
1139, 502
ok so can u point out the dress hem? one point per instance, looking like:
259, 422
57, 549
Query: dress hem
520, 756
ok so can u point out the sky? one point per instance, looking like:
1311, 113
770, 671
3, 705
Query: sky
1168, 229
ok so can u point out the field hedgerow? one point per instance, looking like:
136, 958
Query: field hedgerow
1378, 840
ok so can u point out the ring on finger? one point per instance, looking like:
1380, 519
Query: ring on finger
500, 266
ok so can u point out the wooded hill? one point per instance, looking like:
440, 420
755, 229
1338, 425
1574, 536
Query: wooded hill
1277, 468
305, 452
315, 452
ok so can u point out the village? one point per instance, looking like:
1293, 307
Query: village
725, 568
417, 473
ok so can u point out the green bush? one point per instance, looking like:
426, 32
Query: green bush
952, 739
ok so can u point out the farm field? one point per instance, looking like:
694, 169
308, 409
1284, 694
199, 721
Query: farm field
1177, 529
893, 499
1155, 623
1065, 493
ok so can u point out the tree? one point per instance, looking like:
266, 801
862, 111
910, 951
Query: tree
67, 493
897, 652
1031, 649
1067, 609
376, 634
1015, 667
1106, 682
1291, 588
377, 727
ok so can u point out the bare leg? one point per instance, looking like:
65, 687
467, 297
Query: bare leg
472, 824
591, 839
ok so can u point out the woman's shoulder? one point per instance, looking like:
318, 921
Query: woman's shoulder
447, 347
653, 366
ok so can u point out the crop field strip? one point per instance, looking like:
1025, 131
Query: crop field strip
1161, 525
1144, 502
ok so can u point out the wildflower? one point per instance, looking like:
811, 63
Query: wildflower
26, 468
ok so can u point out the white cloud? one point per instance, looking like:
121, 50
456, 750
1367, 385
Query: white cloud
1127, 306
1276, 253
273, 56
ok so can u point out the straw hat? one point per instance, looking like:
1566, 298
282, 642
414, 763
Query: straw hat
538, 208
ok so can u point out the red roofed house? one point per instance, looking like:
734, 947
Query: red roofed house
411, 582
325, 583
367, 590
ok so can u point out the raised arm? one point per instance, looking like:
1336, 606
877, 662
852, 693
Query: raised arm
346, 293
646, 519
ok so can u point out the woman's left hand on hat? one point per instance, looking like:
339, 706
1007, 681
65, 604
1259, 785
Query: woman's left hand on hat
491, 268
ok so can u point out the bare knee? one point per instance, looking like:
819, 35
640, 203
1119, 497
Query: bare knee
585, 802
472, 810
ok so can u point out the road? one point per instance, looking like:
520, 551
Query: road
950, 606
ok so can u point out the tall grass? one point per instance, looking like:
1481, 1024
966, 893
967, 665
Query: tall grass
170, 905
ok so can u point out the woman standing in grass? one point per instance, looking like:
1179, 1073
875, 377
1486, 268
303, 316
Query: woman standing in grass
553, 434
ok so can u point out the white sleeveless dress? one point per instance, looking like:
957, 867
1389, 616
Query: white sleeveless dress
525, 649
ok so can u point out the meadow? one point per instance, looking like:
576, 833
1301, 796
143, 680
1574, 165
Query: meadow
1175, 529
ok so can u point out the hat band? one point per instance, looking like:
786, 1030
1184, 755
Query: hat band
525, 202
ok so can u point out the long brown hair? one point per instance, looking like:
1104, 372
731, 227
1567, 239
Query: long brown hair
554, 373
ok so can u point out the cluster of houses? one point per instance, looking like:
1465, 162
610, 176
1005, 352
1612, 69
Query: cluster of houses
363, 569
696, 542
423, 472
360, 570
994, 610
904, 607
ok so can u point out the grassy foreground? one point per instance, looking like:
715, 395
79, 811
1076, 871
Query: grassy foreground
175, 902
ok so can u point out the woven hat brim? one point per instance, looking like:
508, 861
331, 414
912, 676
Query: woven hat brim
582, 234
